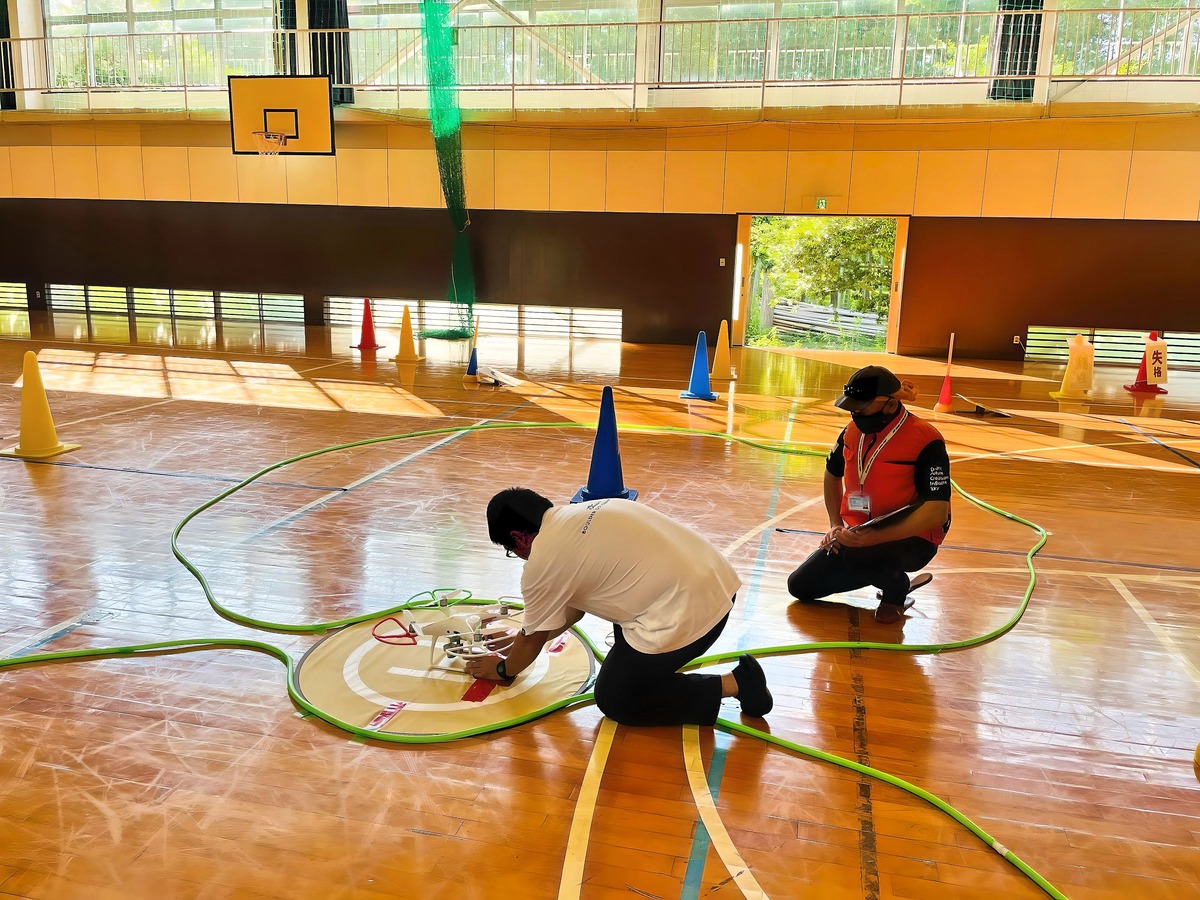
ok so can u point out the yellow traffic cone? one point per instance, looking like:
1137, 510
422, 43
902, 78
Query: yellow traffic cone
721, 369
408, 348
1077, 379
38, 439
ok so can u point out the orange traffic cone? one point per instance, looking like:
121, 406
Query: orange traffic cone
945, 402
367, 339
39, 438
1140, 384
408, 348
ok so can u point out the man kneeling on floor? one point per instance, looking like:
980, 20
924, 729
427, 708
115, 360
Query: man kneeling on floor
667, 591
887, 493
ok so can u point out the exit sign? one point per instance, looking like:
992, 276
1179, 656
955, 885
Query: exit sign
822, 203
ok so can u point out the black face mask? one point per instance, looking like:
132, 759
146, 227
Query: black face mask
875, 422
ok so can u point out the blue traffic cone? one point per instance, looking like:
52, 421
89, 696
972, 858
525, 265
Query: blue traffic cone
699, 387
472, 373
604, 477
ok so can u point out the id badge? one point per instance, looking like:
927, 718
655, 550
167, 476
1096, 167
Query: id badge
860, 502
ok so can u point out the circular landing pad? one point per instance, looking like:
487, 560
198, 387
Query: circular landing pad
394, 689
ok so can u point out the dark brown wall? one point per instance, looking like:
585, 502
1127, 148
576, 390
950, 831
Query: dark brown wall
988, 279
663, 271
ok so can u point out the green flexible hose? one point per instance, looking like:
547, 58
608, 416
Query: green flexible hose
929, 798
193, 645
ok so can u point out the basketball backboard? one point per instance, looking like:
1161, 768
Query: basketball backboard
298, 106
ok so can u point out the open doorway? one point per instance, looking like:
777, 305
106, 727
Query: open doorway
822, 282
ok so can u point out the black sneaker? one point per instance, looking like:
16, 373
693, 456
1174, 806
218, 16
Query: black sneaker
752, 693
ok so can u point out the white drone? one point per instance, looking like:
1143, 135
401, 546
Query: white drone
462, 637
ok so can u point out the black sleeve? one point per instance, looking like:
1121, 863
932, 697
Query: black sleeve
932, 472
835, 463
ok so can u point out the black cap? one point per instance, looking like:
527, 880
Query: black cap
864, 386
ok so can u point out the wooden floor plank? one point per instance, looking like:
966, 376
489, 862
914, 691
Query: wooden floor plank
1070, 739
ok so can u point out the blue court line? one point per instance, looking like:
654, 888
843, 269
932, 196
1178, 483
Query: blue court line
700, 841
49, 639
764, 540
1178, 453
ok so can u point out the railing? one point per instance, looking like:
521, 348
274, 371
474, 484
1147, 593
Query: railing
945, 57
804, 317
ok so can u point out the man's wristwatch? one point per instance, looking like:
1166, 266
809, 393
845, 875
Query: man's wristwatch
502, 672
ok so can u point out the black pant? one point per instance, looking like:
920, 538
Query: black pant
884, 565
635, 688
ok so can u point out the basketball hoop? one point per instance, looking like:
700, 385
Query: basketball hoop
270, 142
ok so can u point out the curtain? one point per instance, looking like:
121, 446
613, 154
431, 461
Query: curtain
331, 51
8, 99
1017, 39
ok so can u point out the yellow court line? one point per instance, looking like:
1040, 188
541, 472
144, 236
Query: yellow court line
721, 843
585, 807
1157, 630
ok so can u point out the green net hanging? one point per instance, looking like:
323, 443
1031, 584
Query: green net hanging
445, 118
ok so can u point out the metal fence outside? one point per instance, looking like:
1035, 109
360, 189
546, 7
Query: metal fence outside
981, 47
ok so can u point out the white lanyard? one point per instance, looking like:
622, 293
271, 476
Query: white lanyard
865, 469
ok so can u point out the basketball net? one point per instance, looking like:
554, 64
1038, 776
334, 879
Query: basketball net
270, 142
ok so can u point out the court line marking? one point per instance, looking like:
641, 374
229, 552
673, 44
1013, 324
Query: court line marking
342, 491
771, 523
1165, 446
115, 412
721, 842
1157, 630
1030, 455
571, 885
44, 637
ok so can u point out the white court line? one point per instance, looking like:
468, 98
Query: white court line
115, 412
770, 523
721, 842
297, 513
326, 366
40, 636
1029, 455
1157, 630
571, 885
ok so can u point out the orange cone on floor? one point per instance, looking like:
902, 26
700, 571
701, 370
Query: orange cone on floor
721, 368
945, 402
1151, 375
39, 438
366, 340
408, 348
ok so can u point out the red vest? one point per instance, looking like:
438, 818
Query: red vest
889, 485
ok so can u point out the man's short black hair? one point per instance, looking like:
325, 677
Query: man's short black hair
515, 509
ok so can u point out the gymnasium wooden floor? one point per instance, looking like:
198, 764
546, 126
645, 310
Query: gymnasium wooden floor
1070, 739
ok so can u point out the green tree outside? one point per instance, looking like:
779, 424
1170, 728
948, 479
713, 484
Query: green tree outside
839, 261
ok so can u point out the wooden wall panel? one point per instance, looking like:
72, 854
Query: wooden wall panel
663, 271
989, 279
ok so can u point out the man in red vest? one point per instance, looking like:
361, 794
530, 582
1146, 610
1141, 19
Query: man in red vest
887, 492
